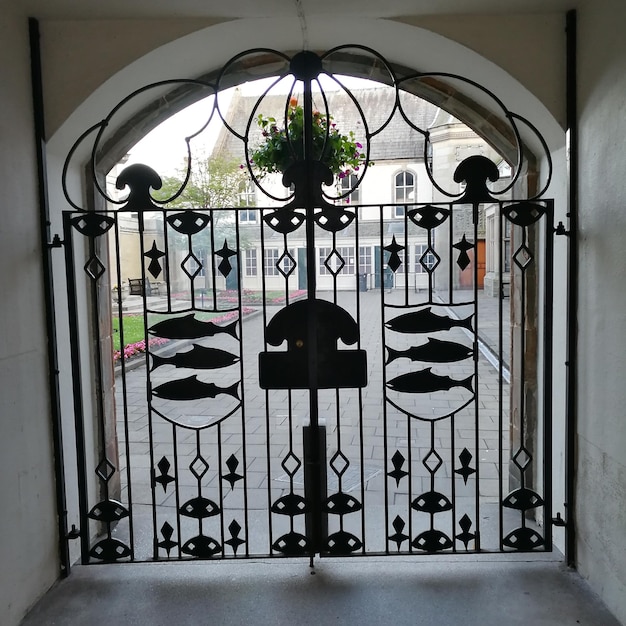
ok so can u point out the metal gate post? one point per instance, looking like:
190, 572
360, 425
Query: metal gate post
316, 521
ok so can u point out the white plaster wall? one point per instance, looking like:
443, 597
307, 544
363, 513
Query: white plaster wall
27, 533
601, 480
28, 541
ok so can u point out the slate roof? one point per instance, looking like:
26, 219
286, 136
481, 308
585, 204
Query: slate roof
397, 141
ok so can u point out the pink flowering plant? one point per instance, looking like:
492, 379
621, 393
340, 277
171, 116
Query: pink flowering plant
134, 349
282, 146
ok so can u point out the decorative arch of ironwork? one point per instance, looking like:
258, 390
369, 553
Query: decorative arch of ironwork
326, 357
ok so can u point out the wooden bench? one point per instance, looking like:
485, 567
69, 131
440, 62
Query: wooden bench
136, 287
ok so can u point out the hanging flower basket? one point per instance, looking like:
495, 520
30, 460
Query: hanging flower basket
283, 146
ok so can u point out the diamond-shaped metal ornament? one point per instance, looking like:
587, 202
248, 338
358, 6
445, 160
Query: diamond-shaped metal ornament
94, 268
291, 464
339, 463
523, 257
334, 263
522, 458
198, 467
286, 264
105, 469
191, 265
432, 461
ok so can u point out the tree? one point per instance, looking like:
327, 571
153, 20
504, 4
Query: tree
215, 182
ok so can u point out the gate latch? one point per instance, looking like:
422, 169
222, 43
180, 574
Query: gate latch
335, 368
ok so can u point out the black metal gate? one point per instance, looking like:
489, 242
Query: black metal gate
359, 416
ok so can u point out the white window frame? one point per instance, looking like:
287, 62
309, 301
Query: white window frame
270, 259
365, 260
349, 182
346, 252
420, 249
252, 267
403, 193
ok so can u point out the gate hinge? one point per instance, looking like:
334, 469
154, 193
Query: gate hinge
74, 533
56, 242
561, 230
558, 520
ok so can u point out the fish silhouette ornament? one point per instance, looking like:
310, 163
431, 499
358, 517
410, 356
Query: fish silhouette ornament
290, 369
188, 327
425, 381
434, 351
425, 321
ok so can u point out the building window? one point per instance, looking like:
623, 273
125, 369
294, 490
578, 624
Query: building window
347, 183
334, 262
506, 246
247, 198
403, 191
193, 266
251, 265
270, 259
365, 260
429, 259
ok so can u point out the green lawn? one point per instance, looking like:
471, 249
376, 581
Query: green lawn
133, 330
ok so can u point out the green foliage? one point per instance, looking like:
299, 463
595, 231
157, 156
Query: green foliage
215, 182
282, 146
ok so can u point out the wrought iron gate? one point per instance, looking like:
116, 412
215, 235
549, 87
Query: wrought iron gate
358, 416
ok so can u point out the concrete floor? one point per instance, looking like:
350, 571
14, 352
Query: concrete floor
486, 591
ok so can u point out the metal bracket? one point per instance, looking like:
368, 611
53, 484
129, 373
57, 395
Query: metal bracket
74, 533
56, 242
561, 230
558, 520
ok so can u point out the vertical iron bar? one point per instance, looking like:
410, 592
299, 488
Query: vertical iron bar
267, 395
547, 378
475, 213
120, 317
140, 226
240, 272
314, 456
77, 389
453, 480
177, 487
501, 224
571, 416
357, 248
522, 370
48, 293
220, 485
381, 278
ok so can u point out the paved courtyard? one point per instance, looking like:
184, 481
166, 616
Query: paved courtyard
246, 461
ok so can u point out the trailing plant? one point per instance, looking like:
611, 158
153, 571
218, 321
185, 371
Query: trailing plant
283, 146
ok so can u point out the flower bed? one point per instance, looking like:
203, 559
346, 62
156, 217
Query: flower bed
256, 297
